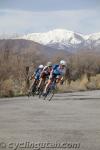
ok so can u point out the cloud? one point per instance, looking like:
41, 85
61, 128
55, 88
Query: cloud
49, 5
17, 21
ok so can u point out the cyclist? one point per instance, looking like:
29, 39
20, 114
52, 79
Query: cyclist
58, 71
45, 73
36, 76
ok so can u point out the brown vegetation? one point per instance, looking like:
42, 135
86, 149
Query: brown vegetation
17, 63
83, 71
13, 68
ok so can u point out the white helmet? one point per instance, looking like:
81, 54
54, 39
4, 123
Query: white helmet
63, 62
41, 66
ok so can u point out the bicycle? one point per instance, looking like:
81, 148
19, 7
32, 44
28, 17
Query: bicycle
41, 88
33, 89
51, 90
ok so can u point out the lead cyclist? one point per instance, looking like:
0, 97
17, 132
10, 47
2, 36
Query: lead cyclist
58, 71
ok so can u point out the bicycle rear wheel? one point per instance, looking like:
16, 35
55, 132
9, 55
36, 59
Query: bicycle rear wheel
40, 92
32, 91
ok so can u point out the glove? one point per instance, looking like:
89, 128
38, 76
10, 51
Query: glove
32, 77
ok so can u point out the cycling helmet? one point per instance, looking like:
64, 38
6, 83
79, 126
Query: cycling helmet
41, 66
63, 62
49, 64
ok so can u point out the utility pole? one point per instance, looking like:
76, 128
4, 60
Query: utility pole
27, 77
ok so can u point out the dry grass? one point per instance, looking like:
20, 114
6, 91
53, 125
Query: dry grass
10, 88
7, 88
94, 83
82, 84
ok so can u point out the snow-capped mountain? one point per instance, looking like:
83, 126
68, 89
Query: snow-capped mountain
63, 39
55, 36
58, 38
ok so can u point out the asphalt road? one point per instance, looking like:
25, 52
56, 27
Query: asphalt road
69, 121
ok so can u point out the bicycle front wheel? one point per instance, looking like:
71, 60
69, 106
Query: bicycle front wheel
49, 95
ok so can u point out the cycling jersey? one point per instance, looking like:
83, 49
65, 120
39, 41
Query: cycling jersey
46, 71
57, 71
37, 73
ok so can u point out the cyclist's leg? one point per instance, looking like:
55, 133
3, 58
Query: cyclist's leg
35, 82
47, 85
32, 84
42, 80
51, 79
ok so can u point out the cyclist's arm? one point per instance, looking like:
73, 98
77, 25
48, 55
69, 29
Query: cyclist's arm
63, 76
34, 73
43, 71
32, 77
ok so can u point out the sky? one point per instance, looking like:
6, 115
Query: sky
27, 16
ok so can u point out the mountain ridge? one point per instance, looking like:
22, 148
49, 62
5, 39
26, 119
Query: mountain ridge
63, 39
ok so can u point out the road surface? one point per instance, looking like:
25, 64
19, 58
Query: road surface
69, 120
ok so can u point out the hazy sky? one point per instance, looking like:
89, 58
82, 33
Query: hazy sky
26, 16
